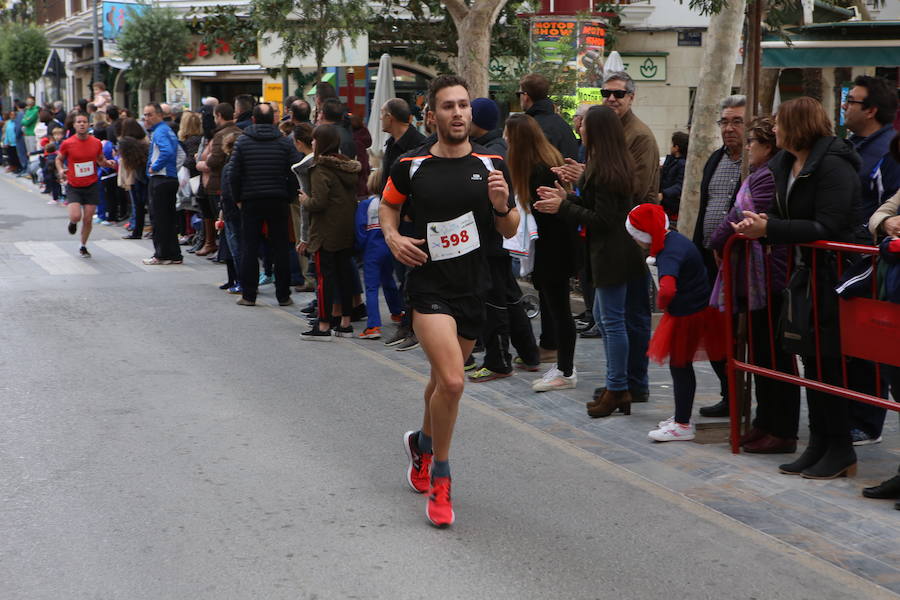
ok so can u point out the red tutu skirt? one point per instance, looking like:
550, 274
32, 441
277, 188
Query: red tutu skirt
683, 340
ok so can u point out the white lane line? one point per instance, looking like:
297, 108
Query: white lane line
55, 260
134, 253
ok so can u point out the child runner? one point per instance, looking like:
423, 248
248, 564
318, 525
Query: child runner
378, 263
690, 329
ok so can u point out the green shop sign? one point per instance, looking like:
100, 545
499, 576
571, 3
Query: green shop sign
645, 67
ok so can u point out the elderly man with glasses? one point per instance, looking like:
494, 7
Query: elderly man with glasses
718, 188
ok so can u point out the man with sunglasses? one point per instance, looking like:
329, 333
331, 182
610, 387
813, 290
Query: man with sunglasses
718, 188
533, 96
618, 94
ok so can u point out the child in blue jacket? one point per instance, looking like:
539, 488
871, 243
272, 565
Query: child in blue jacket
378, 263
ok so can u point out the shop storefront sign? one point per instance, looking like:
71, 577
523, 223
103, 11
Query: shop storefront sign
645, 67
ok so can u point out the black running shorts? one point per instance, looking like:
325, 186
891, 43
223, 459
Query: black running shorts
83, 195
468, 312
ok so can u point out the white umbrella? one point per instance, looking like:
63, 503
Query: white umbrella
384, 91
613, 62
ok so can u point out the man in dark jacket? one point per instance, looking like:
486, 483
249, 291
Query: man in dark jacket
243, 106
395, 115
483, 131
533, 91
262, 186
403, 138
718, 188
869, 113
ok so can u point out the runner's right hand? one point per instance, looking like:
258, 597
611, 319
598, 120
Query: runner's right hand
405, 249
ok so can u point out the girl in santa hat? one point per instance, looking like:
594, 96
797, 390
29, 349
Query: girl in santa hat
690, 329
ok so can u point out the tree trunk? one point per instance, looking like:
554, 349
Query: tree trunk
767, 83
716, 76
473, 29
474, 53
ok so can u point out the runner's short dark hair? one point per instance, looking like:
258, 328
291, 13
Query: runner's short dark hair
443, 81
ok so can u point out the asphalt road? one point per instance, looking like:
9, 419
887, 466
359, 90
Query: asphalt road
158, 441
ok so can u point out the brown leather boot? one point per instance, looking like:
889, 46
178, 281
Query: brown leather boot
209, 238
610, 402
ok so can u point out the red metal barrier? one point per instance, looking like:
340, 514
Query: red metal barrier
869, 330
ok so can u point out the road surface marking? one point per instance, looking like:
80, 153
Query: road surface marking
133, 253
55, 260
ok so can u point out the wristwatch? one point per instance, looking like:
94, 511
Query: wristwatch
501, 214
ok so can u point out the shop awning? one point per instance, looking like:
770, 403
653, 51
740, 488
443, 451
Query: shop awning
840, 44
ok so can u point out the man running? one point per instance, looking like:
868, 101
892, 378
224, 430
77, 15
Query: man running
460, 202
76, 162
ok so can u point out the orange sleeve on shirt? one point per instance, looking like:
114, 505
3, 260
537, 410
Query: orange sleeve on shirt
391, 194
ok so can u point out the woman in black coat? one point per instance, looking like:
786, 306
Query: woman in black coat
816, 188
530, 159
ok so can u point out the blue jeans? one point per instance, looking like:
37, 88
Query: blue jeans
623, 314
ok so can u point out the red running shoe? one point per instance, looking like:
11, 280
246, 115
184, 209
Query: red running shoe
439, 509
418, 475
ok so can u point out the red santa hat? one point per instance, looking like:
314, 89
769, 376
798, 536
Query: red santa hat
648, 223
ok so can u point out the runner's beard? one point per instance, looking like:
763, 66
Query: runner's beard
445, 133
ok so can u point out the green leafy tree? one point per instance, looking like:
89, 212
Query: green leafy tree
23, 52
154, 42
310, 26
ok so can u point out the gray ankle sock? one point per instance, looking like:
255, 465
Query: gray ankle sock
424, 443
440, 468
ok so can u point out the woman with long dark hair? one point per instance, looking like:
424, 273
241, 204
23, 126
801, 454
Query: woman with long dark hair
133, 149
530, 158
617, 263
816, 188
332, 208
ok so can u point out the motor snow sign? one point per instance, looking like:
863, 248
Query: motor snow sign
645, 67
579, 43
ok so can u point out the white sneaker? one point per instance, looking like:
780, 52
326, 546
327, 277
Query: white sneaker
668, 421
673, 432
555, 380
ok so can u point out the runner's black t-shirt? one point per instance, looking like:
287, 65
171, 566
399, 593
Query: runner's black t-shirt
448, 201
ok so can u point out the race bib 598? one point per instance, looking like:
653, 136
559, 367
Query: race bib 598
449, 239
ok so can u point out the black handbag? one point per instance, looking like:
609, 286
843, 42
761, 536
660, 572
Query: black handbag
797, 326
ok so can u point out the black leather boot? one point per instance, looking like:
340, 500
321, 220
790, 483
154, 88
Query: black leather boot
839, 460
814, 452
